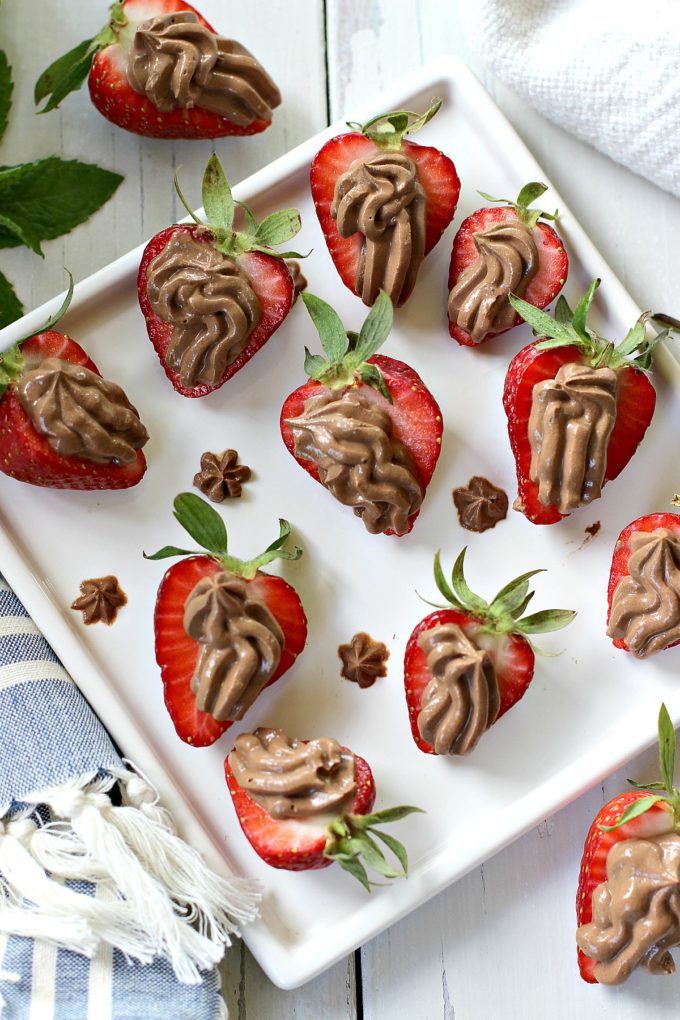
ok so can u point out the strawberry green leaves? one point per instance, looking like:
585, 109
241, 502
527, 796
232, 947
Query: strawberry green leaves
207, 528
6, 89
527, 196
347, 353
504, 614
387, 130
12, 361
352, 843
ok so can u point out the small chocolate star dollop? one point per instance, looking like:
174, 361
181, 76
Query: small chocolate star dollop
299, 278
100, 599
363, 660
221, 476
480, 504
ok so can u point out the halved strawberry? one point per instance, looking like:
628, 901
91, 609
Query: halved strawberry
26, 453
392, 386
177, 653
496, 628
571, 341
105, 61
384, 134
553, 263
314, 842
638, 815
251, 250
654, 601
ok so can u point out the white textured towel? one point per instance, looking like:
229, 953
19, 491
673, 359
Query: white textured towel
606, 70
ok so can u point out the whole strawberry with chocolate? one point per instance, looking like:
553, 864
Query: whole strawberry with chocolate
224, 628
212, 295
159, 69
577, 406
628, 899
61, 424
498, 252
466, 665
383, 203
304, 804
365, 426
643, 614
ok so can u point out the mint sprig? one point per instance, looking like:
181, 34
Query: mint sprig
10, 305
347, 353
527, 196
352, 843
570, 329
387, 130
504, 614
207, 528
6, 89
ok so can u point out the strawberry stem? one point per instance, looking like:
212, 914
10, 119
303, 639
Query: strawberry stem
387, 130
351, 841
529, 193
12, 361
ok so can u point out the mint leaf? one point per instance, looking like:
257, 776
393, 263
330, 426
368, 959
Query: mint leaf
48, 198
65, 75
10, 305
5, 92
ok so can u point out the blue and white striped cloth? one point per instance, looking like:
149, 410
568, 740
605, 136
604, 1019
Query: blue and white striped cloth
79, 834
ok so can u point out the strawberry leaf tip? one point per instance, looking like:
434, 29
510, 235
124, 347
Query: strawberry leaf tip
504, 614
527, 196
351, 841
207, 528
570, 328
387, 130
347, 353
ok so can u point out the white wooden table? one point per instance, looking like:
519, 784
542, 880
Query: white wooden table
498, 945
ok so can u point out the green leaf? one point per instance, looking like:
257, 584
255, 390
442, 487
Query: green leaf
388, 129
363, 846
170, 550
490, 198
65, 75
5, 92
54, 319
329, 327
182, 198
23, 231
442, 583
646, 786
386, 815
519, 611
11, 365
634, 338
634, 810
514, 593
545, 621
563, 313
375, 329
397, 848
355, 868
542, 323
666, 748
51, 196
218, 203
315, 365
250, 219
372, 376
466, 596
278, 228
530, 192
202, 522
11, 308
580, 316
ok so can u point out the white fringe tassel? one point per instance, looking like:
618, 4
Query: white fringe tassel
162, 899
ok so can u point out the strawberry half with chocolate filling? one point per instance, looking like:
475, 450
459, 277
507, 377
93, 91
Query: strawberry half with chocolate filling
159, 69
643, 597
365, 426
383, 203
466, 666
577, 406
628, 899
498, 252
61, 424
211, 295
303, 804
224, 628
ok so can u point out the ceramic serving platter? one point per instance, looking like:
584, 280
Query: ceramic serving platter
590, 707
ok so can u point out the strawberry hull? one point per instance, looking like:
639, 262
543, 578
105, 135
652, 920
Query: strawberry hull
177, 653
622, 550
273, 286
553, 264
26, 455
287, 844
511, 655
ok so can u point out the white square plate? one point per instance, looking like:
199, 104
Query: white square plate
588, 709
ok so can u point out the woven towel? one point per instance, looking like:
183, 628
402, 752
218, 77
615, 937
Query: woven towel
105, 914
606, 70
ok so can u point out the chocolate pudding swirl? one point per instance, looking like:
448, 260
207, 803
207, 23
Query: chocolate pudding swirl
349, 438
382, 198
462, 699
506, 264
241, 644
293, 779
636, 912
209, 301
177, 63
571, 422
81, 414
645, 611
